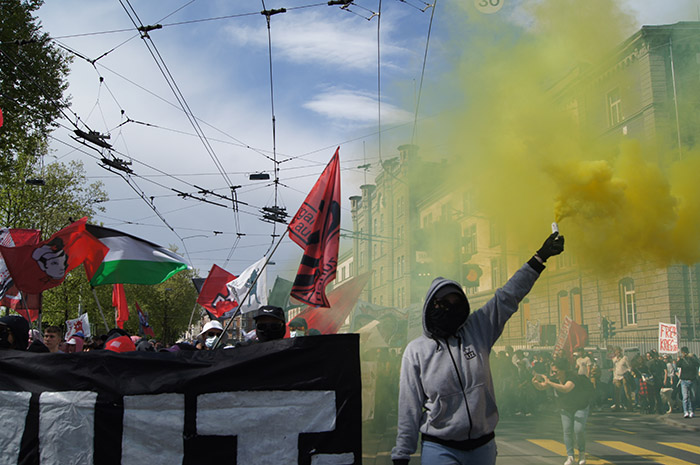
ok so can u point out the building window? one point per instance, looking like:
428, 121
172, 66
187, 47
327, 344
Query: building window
576, 305
470, 240
467, 203
494, 234
381, 223
614, 107
525, 312
399, 206
374, 230
497, 272
565, 260
564, 305
628, 301
427, 220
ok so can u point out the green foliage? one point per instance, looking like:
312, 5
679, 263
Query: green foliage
65, 195
169, 306
32, 81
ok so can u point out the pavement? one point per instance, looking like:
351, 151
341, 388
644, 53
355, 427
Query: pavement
677, 420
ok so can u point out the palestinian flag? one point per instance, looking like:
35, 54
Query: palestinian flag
132, 260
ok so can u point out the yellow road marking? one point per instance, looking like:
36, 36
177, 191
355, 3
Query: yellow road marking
644, 453
682, 446
623, 431
559, 449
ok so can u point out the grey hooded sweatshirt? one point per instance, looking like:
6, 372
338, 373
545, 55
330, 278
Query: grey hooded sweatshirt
438, 375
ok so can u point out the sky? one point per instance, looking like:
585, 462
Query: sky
321, 69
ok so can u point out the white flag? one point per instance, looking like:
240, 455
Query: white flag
80, 324
256, 277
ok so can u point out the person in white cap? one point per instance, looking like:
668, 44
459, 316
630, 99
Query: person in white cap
210, 332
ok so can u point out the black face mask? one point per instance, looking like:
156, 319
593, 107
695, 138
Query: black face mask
269, 331
4, 338
444, 316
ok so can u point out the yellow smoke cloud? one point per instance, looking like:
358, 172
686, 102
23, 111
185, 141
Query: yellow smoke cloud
520, 145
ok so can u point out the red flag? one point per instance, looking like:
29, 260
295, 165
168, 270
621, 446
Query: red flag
342, 300
215, 295
28, 305
577, 338
35, 268
119, 302
14, 238
0, 117
316, 228
146, 329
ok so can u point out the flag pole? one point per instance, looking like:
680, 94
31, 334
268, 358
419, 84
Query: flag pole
104, 320
189, 325
26, 309
250, 288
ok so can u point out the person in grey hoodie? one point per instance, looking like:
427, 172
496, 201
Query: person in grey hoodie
446, 390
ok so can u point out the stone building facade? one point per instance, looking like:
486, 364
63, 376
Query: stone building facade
406, 232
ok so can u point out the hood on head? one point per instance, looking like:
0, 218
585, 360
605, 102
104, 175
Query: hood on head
441, 286
20, 330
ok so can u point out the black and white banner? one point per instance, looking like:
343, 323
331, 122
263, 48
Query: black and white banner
282, 402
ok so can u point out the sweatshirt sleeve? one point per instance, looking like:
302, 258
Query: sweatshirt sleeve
410, 407
492, 317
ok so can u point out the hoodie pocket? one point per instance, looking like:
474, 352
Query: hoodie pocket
450, 411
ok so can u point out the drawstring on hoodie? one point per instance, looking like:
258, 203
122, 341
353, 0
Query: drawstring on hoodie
461, 383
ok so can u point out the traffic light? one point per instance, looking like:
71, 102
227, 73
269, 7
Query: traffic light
605, 328
611, 329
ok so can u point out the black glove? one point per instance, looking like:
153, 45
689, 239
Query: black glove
554, 245
400, 461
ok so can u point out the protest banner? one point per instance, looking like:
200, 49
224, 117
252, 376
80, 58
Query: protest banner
286, 401
668, 340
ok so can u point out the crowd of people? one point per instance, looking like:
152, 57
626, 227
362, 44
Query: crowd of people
270, 324
648, 383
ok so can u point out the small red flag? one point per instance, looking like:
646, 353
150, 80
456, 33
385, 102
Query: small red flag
316, 228
143, 322
27, 305
215, 296
35, 268
119, 303
0, 117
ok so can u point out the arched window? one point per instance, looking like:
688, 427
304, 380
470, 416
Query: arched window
576, 305
628, 301
564, 305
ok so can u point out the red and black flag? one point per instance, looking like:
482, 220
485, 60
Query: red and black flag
316, 228
215, 296
35, 268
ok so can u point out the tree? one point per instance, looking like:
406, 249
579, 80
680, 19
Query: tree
64, 195
33, 75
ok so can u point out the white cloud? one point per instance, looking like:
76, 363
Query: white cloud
346, 42
356, 106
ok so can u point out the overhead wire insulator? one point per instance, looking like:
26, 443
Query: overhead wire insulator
273, 12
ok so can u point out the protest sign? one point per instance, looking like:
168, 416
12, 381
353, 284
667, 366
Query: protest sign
668, 340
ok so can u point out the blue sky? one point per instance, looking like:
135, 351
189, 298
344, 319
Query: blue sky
325, 76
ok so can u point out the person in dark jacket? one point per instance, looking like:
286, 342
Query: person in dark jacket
688, 366
14, 332
446, 391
